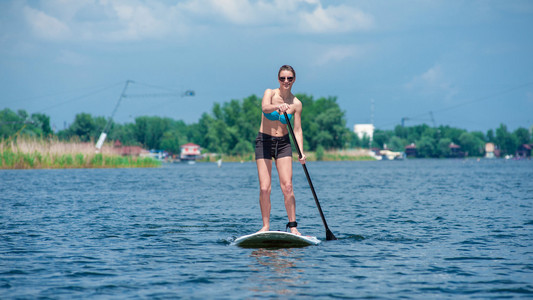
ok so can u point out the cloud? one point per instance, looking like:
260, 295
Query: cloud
45, 26
339, 53
102, 20
240, 12
334, 19
433, 81
72, 58
136, 20
306, 16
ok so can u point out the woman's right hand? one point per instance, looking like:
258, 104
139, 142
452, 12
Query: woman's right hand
283, 107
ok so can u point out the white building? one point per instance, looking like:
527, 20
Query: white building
364, 129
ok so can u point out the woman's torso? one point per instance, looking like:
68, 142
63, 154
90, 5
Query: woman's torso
275, 127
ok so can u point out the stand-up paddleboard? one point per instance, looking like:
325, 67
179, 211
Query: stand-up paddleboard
275, 239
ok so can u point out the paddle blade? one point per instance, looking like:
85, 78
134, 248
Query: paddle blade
329, 235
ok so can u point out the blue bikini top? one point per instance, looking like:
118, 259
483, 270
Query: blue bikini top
275, 116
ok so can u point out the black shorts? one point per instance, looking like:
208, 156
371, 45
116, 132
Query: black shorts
268, 147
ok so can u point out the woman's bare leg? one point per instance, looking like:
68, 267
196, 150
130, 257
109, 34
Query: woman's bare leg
264, 171
284, 166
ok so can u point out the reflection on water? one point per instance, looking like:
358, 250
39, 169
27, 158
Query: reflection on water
276, 271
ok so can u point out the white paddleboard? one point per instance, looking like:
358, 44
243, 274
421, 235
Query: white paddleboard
275, 239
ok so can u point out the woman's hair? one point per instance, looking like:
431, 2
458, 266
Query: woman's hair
287, 68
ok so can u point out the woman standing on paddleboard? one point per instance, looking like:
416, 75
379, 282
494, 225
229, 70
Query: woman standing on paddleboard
273, 142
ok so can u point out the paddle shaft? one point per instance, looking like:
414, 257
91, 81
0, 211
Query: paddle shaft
329, 234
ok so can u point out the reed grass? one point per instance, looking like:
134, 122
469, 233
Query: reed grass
34, 153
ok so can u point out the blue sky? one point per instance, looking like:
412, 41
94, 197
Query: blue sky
469, 64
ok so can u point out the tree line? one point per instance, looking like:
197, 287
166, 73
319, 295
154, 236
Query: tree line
435, 141
231, 128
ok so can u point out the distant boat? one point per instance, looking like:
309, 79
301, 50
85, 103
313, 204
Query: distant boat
391, 155
219, 163
387, 155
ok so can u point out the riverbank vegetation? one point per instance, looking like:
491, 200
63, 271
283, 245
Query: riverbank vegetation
36, 153
319, 155
230, 128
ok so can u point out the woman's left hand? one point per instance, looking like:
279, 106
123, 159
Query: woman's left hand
302, 159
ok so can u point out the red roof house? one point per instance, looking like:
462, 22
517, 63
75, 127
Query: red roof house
190, 151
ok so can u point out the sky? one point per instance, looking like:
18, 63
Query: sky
464, 64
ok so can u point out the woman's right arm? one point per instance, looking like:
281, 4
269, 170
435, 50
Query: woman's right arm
267, 106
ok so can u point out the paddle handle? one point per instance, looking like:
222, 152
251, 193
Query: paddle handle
329, 234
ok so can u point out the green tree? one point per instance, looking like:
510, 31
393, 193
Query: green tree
505, 140
323, 123
171, 142
83, 127
401, 132
320, 152
444, 147
381, 138
42, 122
10, 123
365, 141
426, 147
220, 137
397, 144
490, 136
150, 130
332, 123
243, 147
200, 132
452, 133
21, 123
522, 136
351, 140
471, 144
124, 133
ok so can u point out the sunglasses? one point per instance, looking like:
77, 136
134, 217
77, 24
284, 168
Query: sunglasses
290, 79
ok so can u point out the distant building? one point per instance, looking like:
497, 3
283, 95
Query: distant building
129, 150
190, 151
455, 150
489, 150
410, 150
524, 151
364, 129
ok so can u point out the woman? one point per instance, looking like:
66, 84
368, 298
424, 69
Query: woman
273, 142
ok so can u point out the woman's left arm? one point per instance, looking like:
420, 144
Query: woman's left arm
298, 132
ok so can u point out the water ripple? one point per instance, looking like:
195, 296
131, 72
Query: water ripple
419, 229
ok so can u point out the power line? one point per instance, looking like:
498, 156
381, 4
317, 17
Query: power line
484, 97
78, 98
156, 86
480, 99
58, 93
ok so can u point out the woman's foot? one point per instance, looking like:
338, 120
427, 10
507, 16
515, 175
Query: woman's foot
292, 227
294, 230
265, 228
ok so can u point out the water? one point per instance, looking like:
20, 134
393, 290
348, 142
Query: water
419, 229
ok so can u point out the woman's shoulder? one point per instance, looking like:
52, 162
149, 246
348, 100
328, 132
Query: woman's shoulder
271, 91
296, 101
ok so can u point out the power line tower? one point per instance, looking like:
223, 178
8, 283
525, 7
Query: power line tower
371, 122
103, 135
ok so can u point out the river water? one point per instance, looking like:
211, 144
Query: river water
415, 229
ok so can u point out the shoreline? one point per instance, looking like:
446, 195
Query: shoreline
54, 154
333, 155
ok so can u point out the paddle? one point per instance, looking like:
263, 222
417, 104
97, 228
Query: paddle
329, 234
